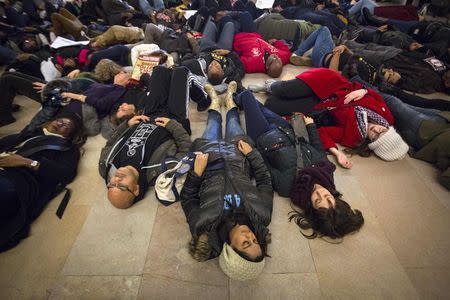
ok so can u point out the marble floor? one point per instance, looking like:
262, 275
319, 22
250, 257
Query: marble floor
98, 252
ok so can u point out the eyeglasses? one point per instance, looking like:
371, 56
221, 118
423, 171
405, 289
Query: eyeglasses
64, 124
120, 186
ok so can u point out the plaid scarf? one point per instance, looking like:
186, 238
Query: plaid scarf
372, 117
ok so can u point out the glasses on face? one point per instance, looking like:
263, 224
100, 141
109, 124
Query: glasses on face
64, 124
120, 186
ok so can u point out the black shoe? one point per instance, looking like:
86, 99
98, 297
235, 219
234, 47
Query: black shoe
370, 19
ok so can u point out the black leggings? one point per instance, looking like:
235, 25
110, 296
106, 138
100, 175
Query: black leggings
291, 96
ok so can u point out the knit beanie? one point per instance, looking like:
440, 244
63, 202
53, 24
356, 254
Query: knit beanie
389, 146
106, 69
238, 268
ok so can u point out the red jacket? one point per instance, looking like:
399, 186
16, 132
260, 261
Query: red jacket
331, 87
250, 47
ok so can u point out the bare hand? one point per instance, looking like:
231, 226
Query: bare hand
73, 74
341, 158
38, 86
355, 96
161, 121
201, 161
339, 49
74, 96
222, 52
137, 119
308, 120
244, 147
383, 28
14, 160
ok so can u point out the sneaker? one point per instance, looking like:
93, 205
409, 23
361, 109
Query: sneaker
297, 60
268, 85
257, 88
229, 102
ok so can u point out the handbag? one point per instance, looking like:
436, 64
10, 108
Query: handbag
170, 182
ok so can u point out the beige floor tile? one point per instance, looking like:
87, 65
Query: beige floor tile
168, 253
159, 287
414, 220
363, 264
29, 270
277, 286
113, 241
289, 250
96, 287
431, 283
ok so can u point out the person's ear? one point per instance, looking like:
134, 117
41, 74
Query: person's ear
136, 190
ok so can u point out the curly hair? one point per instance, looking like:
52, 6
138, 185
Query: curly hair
199, 247
106, 69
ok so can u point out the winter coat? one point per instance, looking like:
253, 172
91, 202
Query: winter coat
176, 147
277, 146
250, 46
202, 198
434, 141
35, 189
332, 94
275, 26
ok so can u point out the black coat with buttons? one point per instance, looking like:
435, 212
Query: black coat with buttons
278, 149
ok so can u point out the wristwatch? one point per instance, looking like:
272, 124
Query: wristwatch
34, 164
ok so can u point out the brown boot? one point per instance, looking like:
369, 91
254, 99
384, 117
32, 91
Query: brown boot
229, 102
215, 101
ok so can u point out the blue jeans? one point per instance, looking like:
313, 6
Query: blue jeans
322, 17
117, 53
321, 42
258, 119
146, 8
403, 26
408, 118
213, 130
357, 8
213, 39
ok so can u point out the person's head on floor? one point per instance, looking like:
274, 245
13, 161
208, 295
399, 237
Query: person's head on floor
386, 143
122, 78
391, 76
29, 44
123, 187
274, 66
325, 214
215, 73
106, 70
67, 125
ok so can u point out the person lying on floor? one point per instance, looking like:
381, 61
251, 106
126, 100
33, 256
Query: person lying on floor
227, 214
34, 167
145, 140
351, 114
305, 176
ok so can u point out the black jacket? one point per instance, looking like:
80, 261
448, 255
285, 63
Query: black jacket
35, 189
277, 146
202, 197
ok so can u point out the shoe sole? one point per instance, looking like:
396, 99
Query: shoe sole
300, 61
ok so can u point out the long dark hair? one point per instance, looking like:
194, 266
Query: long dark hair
362, 149
332, 222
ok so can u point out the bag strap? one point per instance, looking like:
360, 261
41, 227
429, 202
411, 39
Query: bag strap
33, 150
63, 204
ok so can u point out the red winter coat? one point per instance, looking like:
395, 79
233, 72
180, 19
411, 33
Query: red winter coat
331, 87
250, 47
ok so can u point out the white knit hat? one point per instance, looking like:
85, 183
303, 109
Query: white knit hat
389, 146
238, 268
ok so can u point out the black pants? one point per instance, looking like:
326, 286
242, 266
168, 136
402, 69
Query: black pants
169, 95
13, 83
291, 96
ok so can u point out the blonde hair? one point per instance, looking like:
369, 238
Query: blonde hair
199, 247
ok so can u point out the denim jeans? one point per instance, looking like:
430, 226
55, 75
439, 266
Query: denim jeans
258, 119
213, 39
146, 8
213, 130
357, 8
403, 26
408, 118
322, 17
321, 42
117, 53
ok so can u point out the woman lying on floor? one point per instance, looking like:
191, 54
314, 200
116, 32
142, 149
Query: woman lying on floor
306, 176
355, 116
227, 214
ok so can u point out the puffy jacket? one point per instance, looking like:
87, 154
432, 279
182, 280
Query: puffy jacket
251, 47
202, 197
277, 146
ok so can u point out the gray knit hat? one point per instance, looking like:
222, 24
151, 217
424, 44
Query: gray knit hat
389, 146
238, 268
